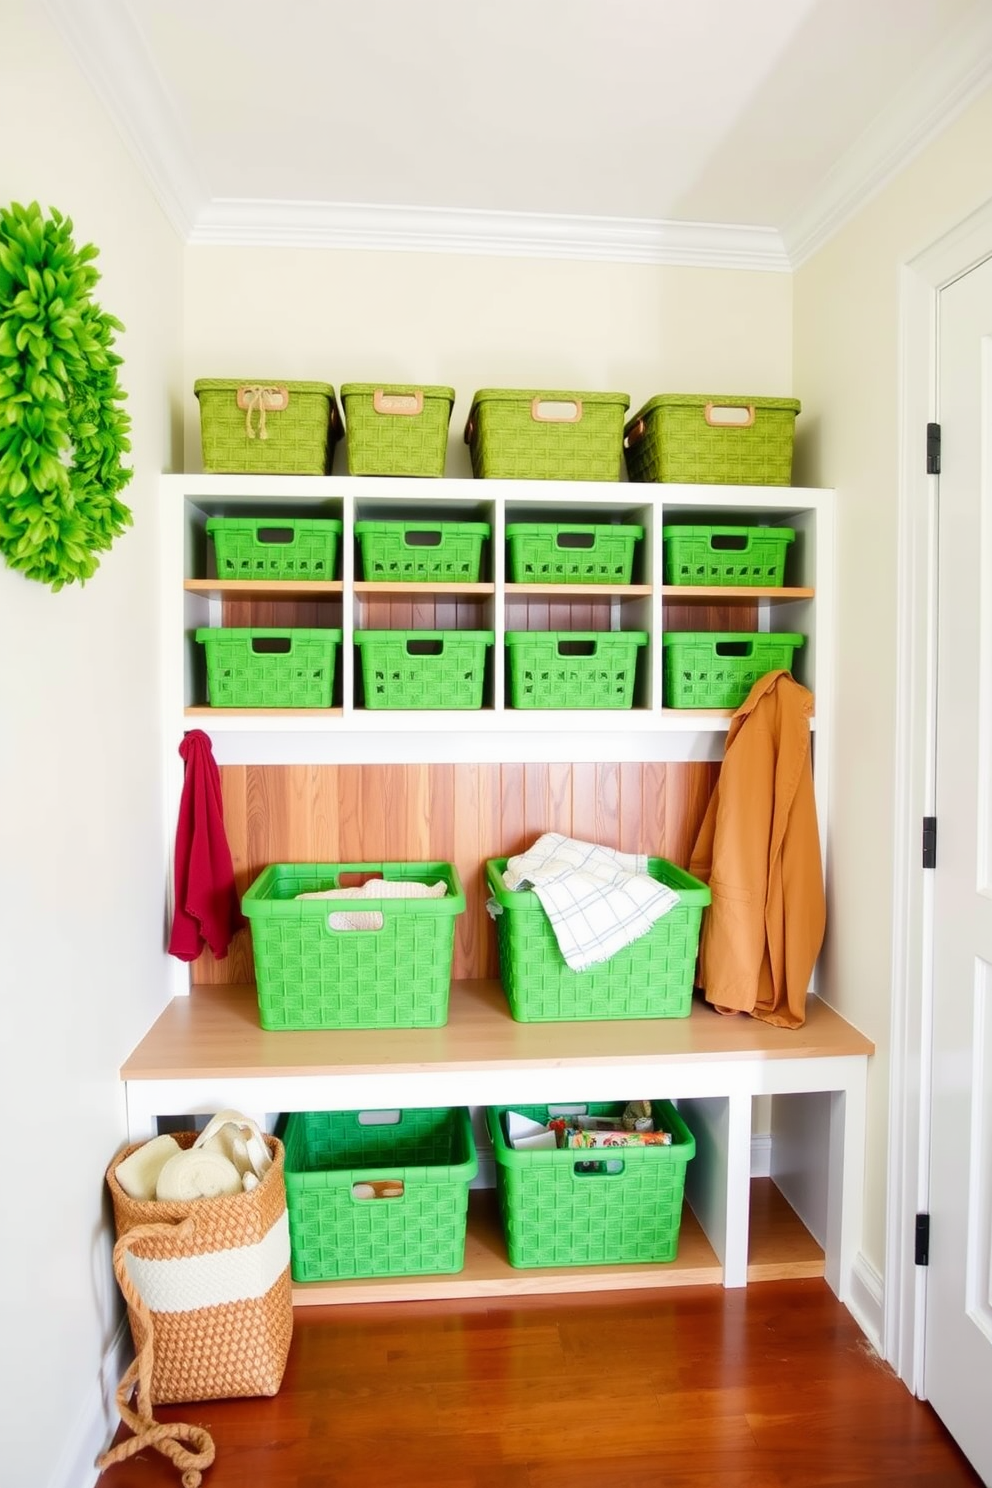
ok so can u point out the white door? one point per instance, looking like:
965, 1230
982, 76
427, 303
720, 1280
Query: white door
958, 1351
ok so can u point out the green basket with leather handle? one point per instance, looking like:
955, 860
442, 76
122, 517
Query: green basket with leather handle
530, 434
265, 427
702, 439
400, 429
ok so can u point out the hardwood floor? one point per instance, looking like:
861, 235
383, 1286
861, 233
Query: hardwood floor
769, 1387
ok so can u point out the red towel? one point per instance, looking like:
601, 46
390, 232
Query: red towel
207, 907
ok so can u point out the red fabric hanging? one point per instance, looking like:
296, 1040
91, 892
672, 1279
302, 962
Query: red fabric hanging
207, 908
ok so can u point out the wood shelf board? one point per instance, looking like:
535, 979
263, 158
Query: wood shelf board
264, 588
782, 1247
214, 1033
378, 588
706, 595
579, 591
198, 710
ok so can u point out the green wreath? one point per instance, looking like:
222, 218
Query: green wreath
62, 432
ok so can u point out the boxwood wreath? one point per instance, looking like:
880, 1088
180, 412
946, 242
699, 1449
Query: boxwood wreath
62, 430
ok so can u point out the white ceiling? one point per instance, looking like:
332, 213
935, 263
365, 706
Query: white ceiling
735, 131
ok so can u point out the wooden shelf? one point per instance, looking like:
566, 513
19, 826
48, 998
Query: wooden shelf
737, 595
264, 588
197, 710
780, 1249
215, 1033
579, 591
375, 588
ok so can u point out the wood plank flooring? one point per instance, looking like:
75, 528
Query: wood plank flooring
774, 1386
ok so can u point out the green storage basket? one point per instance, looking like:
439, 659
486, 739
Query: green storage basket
650, 978
744, 557
717, 669
528, 434
572, 669
570, 553
423, 668
264, 427
311, 975
682, 437
422, 552
396, 430
558, 1208
275, 547
269, 668
336, 1232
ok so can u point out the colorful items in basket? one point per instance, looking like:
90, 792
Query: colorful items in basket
581, 1130
229, 1156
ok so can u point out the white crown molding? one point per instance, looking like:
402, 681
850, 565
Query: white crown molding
112, 56
954, 76
290, 224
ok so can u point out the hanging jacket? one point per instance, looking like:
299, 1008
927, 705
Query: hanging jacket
207, 909
759, 850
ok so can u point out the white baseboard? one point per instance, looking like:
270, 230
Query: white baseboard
98, 1418
867, 1302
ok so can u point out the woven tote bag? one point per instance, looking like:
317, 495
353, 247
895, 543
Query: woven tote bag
208, 1290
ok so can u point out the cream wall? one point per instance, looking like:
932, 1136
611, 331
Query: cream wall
471, 323
82, 853
847, 369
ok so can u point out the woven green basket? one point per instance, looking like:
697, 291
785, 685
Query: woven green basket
265, 427
698, 439
423, 668
378, 1193
558, 1208
572, 669
650, 978
710, 669
396, 430
527, 434
312, 973
741, 557
422, 552
275, 547
269, 668
571, 553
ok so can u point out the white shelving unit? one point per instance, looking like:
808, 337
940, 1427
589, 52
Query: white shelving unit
207, 1050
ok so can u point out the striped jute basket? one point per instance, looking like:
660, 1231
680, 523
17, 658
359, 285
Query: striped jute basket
208, 1289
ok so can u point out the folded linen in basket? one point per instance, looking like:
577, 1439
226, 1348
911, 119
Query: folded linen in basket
597, 899
374, 888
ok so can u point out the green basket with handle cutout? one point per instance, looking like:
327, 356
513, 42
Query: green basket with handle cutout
399, 429
700, 439
529, 434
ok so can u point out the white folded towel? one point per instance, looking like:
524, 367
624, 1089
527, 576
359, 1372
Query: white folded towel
138, 1173
375, 888
597, 900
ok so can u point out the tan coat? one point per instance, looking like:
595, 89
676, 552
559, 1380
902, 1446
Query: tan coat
759, 850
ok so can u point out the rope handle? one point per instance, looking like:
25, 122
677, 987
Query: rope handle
260, 398
147, 1432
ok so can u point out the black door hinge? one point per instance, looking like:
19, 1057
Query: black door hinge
929, 842
923, 1240
933, 449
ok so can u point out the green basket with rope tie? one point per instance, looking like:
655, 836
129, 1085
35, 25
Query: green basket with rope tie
267, 428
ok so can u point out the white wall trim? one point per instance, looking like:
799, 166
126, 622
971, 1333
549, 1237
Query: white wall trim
98, 1419
940, 263
866, 1302
955, 74
301, 224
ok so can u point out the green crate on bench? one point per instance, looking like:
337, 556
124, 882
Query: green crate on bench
528, 434
573, 669
311, 973
275, 547
573, 1207
705, 439
396, 430
571, 553
728, 556
423, 668
650, 978
717, 669
264, 427
422, 552
269, 668
378, 1193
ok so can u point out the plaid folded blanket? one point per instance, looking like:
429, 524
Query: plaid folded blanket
598, 900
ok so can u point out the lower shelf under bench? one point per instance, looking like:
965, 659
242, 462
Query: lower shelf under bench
780, 1248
